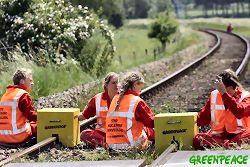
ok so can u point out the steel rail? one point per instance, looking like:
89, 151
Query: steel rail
163, 156
147, 91
244, 62
144, 94
238, 72
28, 150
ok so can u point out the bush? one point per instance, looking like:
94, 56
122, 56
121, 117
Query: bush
162, 28
116, 20
52, 28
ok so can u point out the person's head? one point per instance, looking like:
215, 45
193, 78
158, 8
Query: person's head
23, 77
133, 81
111, 82
230, 80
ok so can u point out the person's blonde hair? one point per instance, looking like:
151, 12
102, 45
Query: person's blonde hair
21, 74
127, 84
107, 79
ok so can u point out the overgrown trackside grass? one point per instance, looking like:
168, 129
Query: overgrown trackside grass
49, 80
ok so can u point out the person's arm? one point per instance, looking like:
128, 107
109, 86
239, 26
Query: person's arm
238, 109
204, 117
247, 111
89, 111
144, 114
26, 106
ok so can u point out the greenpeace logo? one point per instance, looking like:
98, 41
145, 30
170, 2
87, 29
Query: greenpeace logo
55, 127
174, 131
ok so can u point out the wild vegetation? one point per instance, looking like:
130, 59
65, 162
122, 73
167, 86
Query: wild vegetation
54, 31
67, 44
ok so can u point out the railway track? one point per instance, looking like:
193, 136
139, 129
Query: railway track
188, 88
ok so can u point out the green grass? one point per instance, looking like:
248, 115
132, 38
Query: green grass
241, 26
131, 42
47, 81
130, 38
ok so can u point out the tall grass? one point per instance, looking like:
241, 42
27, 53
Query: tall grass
47, 80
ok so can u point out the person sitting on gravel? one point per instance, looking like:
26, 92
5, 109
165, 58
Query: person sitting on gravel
17, 114
230, 27
129, 121
98, 106
225, 112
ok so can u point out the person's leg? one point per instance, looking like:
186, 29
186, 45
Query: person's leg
207, 140
33, 126
93, 137
241, 138
150, 132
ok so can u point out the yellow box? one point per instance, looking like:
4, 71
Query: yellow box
61, 121
178, 126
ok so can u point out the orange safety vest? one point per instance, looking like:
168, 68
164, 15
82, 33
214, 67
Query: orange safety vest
123, 131
222, 119
101, 112
14, 126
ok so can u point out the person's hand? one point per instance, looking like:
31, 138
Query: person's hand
220, 86
80, 117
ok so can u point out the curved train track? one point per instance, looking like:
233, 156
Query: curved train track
185, 90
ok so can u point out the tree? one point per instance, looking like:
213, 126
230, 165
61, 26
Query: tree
113, 11
136, 8
162, 28
157, 6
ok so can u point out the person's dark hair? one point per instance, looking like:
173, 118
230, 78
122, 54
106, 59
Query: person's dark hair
229, 78
20, 74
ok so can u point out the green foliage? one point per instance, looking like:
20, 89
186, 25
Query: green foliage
113, 11
163, 27
136, 8
53, 29
116, 20
157, 6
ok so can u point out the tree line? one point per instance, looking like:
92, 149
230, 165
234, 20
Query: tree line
116, 11
238, 8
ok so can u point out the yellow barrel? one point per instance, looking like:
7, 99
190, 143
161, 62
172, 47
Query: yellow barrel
59, 121
180, 127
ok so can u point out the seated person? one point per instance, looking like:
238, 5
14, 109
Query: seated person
230, 27
98, 106
225, 111
17, 115
129, 122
